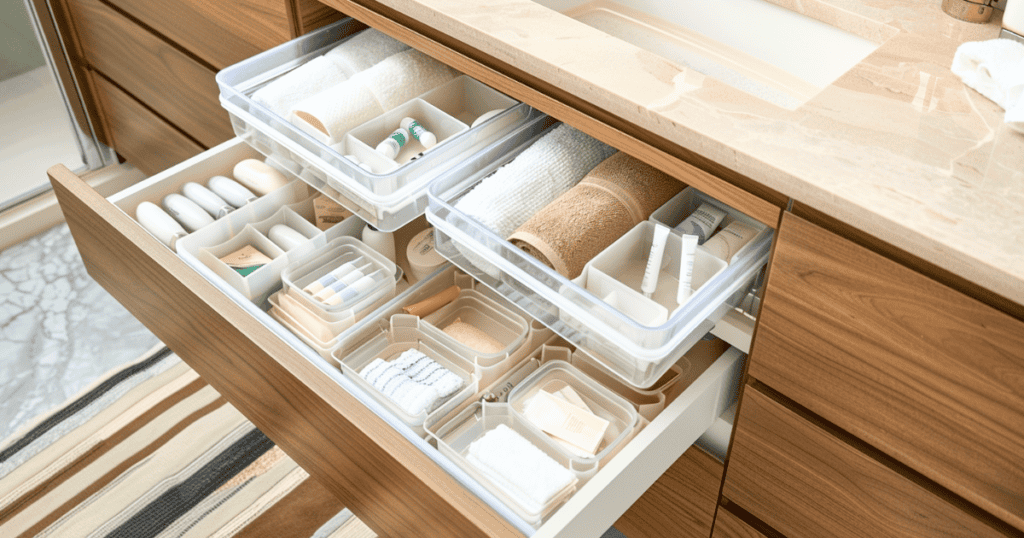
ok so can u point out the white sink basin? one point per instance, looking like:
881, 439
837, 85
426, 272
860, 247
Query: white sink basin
765, 50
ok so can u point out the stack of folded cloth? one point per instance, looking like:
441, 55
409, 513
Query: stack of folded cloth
415, 382
522, 471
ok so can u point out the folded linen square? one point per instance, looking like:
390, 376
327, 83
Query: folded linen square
524, 472
412, 397
424, 370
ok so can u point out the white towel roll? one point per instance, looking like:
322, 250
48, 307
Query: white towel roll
519, 468
395, 80
365, 50
300, 83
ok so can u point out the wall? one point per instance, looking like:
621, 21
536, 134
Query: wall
19, 49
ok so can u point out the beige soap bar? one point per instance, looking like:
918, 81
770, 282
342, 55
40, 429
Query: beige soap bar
328, 212
568, 394
565, 421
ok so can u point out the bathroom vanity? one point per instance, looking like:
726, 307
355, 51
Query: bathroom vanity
882, 395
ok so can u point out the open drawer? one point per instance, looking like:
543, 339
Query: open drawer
393, 479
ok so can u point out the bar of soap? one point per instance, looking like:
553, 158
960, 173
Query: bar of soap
565, 421
259, 176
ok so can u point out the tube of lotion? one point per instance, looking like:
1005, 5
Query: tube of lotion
689, 252
342, 283
726, 243
354, 290
702, 222
331, 277
650, 282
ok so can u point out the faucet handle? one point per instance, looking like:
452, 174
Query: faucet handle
979, 11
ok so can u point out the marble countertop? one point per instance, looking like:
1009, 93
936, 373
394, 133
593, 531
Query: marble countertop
897, 146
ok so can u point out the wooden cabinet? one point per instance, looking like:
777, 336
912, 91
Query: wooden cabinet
729, 526
806, 483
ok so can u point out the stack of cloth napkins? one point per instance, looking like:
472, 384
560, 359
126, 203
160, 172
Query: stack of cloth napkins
568, 420
415, 382
531, 478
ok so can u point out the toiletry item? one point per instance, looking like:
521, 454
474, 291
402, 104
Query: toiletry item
259, 176
427, 138
365, 49
702, 222
486, 116
284, 92
382, 242
472, 337
1013, 17
207, 199
433, 303
422, 369
615, 196
231, 191
355, 289
330, 278
246, 260
390, 146
729, 240
327, 212
285, 237
328, 115
343, 280
187, 212
688, 253
568, 394
565, 421
159, 223
520, 470
411, 397
422, 256
653, 271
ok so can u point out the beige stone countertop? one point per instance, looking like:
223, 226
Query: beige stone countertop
897, 146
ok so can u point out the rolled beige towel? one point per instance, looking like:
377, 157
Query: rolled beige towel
615, 196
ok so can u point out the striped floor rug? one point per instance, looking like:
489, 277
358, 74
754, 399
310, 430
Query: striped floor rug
151, 450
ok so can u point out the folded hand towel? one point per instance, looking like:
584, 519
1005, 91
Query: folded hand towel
365, 50
368, 94
413, 398
425, 371
300, 83
519, 468
995, 69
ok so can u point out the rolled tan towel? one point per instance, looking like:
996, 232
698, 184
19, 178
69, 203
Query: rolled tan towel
618, 194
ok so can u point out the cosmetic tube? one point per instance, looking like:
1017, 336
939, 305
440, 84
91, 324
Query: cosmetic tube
331, 277
231, 191
650, 282
159, 223
286, 237
356, 289
419, 132
207, 199
342, 283
390, 146
689, 252
702, 222
726, 243
187, 212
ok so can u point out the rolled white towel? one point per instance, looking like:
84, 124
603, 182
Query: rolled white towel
365, 50
542, 172
426, 371
523, 471
368, 94
300, 83
995, 68
411, 397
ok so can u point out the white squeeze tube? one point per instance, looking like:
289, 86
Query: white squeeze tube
650, 282
702, 222
689, 252
343, 282
331, 277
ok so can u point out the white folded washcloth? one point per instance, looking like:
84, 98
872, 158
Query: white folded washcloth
995, 68
424, 370
544, 171
300, 83
524, 472
365, 50
333, 112
412, 397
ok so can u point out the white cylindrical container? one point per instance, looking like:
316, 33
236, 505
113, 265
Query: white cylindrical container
187, 212
383, 242
259, 176
207, 199
1013, 17
231, 191
390, 146
423, 256
159, 223
285, 237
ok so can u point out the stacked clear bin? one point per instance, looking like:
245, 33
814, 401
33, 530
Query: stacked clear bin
637, 352
393, 192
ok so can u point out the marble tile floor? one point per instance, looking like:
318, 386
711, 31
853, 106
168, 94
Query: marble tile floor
59, 330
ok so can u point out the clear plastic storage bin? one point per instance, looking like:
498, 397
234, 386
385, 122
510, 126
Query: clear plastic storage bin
393, 193
638, 353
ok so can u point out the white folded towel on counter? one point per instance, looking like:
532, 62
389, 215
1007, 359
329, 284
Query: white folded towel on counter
524, 472
995, 68
333, 112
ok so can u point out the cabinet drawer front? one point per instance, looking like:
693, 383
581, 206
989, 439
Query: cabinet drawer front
165, 79
803, 482
320, 418
220, 33
931, 377
730, 526
141, 137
